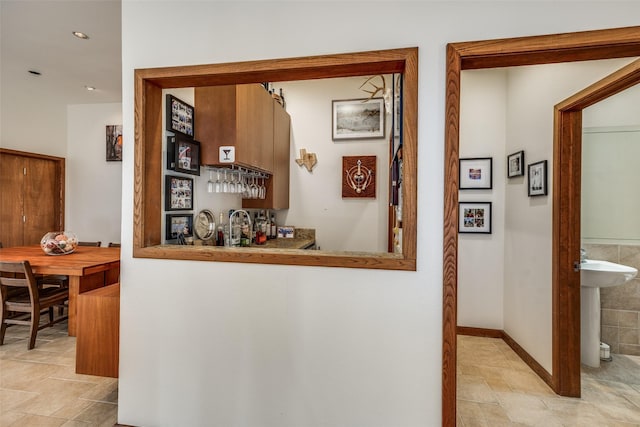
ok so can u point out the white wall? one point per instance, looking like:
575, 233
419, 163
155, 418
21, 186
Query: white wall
316, 197
483, 110
93, 185
268, 345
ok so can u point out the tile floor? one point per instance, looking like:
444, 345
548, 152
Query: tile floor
39, 387
496, 388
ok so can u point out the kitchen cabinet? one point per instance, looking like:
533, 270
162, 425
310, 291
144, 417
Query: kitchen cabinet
239, 116
32, 197
277, 194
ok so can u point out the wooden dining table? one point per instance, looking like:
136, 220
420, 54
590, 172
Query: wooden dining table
88, 268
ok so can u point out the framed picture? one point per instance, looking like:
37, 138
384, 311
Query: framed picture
180, 116
114, 143
538, 179
358, 119
475, 173
359, 176
178, 226
178, 193
183, 154
515, 164
474, 217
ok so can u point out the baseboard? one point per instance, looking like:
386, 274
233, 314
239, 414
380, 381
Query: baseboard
521, 352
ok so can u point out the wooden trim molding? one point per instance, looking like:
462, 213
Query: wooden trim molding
149, 83
568, 47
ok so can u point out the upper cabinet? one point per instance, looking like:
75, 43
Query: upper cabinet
239, 116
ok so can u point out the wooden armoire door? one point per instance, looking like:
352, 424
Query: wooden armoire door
31, 197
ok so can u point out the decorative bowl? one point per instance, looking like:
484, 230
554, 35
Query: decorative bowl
59, 242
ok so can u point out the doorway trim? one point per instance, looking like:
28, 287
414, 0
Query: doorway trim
567, 47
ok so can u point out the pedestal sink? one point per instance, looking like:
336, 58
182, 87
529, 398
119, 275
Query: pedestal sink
596, 274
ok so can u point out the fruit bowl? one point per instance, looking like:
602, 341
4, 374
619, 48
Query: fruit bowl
59, 243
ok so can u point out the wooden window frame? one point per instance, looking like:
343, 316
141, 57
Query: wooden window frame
149, 83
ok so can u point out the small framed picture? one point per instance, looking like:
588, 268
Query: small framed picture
358, 119
515, 164
474, 217
180, 116
114, 143
178, 193
178, 225
475, 173
538, 179
183, 154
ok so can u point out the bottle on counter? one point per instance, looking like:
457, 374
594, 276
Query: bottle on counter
274, 228
220, 240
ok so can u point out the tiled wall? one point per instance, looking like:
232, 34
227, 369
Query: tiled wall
620, 304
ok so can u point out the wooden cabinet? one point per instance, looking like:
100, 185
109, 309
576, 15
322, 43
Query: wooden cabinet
247, 117
32, 197
237, 115
277, 195
98, 339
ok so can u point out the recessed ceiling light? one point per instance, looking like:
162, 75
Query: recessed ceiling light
35, 73
80, 35
90, 88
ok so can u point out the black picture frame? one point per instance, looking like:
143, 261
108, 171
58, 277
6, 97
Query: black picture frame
176, 224
474, 217
476, 173
180, 116
178, 193
183, 154
537, 179
515, 164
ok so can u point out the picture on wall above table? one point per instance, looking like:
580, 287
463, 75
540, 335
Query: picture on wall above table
515, 164
538, 179
180, 116
183, 154
359, 176
114, 143
178, 193
357, 119
178, 225
476, 174
474, 217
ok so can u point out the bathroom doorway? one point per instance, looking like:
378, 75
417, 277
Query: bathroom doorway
603, 44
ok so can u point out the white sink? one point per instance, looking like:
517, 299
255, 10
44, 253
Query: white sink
595, 274
604, 274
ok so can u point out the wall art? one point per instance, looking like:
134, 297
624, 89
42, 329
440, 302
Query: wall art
538, 179
515, 164
178, 193
476, 173
180, 116
474, 217
183, 154
114, 143
359, 176
358, 119
178, 226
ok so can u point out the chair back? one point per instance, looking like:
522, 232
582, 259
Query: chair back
97, 244
16, 277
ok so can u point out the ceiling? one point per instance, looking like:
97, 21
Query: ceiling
37, 35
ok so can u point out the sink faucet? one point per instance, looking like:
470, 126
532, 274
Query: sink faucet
583, 255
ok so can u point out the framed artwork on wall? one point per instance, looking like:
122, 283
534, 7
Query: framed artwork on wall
358, 119
114, 143
178, 193
178, 225
180, 116
515, 164
538, 179
476, 173
183, 154
474, 217
359, 176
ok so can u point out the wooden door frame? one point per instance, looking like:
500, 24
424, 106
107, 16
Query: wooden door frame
568, 47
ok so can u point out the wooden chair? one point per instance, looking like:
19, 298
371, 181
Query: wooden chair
114, 245
22, 301
97, 244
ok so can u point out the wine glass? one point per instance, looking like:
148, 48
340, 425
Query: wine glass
225, 183
262, 190
254, 188
210, 183
232, 182
218, 183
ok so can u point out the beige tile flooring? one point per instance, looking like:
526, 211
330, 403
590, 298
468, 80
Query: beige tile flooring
39, 387
496, 388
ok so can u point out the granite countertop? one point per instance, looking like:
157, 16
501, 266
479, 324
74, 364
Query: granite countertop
303, 238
